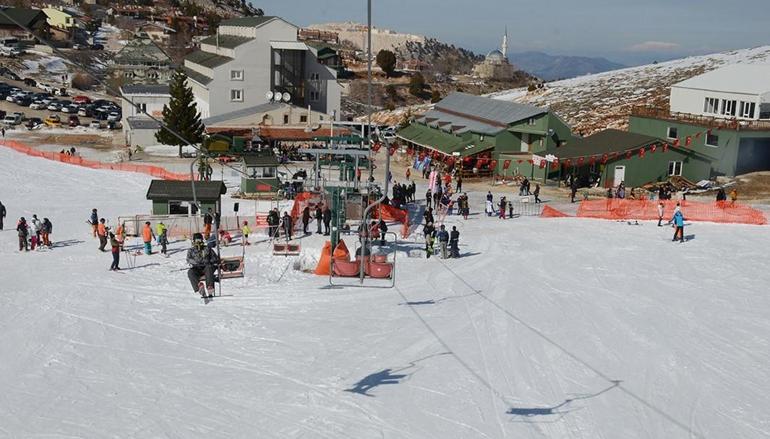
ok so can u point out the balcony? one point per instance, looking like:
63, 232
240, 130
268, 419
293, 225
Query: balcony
705, 121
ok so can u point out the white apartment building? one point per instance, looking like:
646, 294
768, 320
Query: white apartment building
148, 99
251, 56
739, 91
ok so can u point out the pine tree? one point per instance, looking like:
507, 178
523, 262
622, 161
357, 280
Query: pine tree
180, 115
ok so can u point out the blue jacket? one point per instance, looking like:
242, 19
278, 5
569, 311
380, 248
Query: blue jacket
678, 219
443, 236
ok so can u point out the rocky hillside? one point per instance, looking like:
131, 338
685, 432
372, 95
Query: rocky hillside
445, 58
594, 102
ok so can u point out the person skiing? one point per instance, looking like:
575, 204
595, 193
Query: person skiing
454, 239
286, 224
660, 214
246, 231
430, 235
46, 232
162, 237
115, 245
23, 232
319, 216
443, 241
120, 233
2, 214
678, 221
208, 218
305, 219
203, 261
94, 221
147, 236
536, 193
101, 232
327, 220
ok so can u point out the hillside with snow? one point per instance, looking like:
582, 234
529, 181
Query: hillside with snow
594, 102
543, 328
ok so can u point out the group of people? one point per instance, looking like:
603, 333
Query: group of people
403, 194
320, 215
448, 241
33, 234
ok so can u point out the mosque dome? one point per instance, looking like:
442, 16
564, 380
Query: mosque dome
495, 57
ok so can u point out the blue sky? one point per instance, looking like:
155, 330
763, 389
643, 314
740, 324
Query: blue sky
626, 31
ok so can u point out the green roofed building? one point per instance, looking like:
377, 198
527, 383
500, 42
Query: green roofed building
262, 171
613, 156
142, 61
176, 197
470, 128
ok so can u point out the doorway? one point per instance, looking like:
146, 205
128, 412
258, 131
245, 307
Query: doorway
620, 175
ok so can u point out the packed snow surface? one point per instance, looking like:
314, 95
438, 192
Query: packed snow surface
557, 328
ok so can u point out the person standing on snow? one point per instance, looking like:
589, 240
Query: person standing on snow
46, 232
94, 221
34, 232
319, 216
305, 219
327, 220
162, 237
147, 236
660, 214
203, 261
101, 232
678, 221
38, 227
536, 193
430, 236
2, 214
502, 205
286, 224
443, 241
454, 240
115, 246
428, 198
23, 232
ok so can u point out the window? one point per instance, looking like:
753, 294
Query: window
262, 172
711, 106
728, 107
236, 95
285, 119
747, 109
672, 133
315, 76
531, 121
303, 118
674, 168
236, 75
314, 96
141, 108
712, 139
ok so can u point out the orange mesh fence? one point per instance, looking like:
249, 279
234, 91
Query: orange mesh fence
155, 171
550, 212
390, 213
717, 212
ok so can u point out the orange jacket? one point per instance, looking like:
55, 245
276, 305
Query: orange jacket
147, 233
101, 230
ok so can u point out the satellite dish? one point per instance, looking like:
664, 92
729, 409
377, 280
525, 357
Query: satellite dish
277, 96
286, 97
269, 95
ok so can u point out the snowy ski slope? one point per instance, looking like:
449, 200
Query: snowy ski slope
560, 328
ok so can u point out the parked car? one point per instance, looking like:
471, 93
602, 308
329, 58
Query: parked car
70, 109
47, 100
60, 91
33, 122
54, 106
11, 97
45, 87
81, 99
73, 121
95, 124
85, 111
77, 46
113, 116
30, 82
37, 105
13, 119
23, 100
10, 52
53, 120
97, 46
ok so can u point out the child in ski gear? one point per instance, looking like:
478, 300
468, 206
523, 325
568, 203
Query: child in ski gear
430, 236
733, 196
536, 193
678, 221
489, 209
660, 214
246, 231
225, 238
34, 232
37, 227
147, 236
502, 205
101, 231
454, 239
21, 228
162, 237
115, 245
510, 209
94, 221
443, 241
120, 234
203, 262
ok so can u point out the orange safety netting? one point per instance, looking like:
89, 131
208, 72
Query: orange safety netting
341, 252
390, 213
155, 171
550, 212
717, 212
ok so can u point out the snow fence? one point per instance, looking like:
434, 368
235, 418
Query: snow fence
155, 171
716, 212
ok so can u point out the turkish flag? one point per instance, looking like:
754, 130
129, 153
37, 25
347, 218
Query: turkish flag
628, 154
653, 147
676, 142
580, 161
592, 160
688, 141
665, 147
605, 157
493, 164
506, 164
641, 152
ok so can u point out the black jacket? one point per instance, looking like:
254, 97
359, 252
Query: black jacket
454, 235
327, 215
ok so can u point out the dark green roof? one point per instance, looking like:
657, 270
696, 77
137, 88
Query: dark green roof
22, 16
226, 41
182, 190
444, 142
197, 77
603, 142
207, 59
141, 50
246, 21
267, 159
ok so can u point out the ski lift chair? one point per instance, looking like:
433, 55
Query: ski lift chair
378, 266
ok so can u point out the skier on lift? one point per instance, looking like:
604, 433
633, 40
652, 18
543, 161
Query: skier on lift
203, 261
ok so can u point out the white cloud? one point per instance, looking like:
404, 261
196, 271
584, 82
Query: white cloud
653, 46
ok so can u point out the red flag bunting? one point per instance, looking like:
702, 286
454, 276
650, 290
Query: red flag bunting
653, 147
665, 147
641, 152
628, 154
688, 141
506, 164
676, 142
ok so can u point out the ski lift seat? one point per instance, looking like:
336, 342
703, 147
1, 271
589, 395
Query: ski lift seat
232, 267
343, 268
379, 270
286, 249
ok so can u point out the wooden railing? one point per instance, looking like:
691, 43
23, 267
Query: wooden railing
694, 119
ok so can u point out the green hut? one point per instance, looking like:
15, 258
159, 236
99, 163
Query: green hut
176, 197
